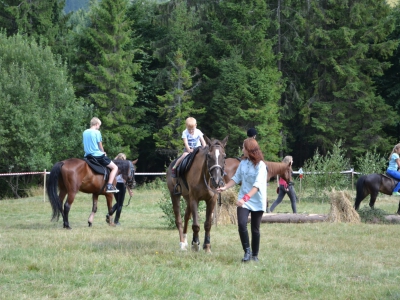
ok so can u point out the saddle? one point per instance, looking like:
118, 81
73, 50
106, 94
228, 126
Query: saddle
97, 167
389, 177
182, 169
394, 180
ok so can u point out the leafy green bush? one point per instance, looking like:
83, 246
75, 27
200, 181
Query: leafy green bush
372, 215
371, 162
156, 184
323, 173
165, 204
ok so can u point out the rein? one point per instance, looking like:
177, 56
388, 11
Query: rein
129, 201
212, 178
130, 182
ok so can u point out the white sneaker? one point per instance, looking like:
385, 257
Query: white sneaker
111, 189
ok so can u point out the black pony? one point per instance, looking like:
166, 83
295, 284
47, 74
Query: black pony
373, 184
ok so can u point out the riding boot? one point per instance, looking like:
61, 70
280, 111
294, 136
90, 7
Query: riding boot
255, 246
244, 238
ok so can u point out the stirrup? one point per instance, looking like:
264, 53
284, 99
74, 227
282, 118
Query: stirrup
177, 189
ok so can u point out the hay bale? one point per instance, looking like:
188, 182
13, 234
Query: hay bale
227, 211
341, 208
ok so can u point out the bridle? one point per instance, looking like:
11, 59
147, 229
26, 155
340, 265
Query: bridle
215, 166
130, 182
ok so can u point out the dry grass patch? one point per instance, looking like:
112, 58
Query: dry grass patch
342, 208
227, 211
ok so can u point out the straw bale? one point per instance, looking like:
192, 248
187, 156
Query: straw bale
226, 213
341, 208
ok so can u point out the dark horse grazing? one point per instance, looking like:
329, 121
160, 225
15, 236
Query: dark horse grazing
203, 177
73, 175
284, 170
372, 184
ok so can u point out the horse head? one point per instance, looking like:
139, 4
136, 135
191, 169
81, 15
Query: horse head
287, 174
215, 160
127, 169
131, 183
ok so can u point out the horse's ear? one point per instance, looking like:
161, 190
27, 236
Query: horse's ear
208, 141
225, 140
135, 161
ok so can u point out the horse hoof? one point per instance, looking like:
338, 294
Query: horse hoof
67, 227
207, 248
183, 246
195, 246
89, 224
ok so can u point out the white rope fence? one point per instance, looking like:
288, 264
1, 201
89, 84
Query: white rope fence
299, 172
47, 173
36, 173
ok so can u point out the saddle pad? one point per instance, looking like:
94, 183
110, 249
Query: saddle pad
96, 167
184, 166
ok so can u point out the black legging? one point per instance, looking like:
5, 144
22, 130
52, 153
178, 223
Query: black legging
282, 192
243, 215
120, 196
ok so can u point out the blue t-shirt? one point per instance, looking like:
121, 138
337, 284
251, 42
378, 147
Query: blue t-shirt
392, 162
250, 175
193, 140
91, 139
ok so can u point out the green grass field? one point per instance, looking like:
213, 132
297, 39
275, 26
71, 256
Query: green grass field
140, 259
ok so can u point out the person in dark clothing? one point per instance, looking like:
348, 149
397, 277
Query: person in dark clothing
120, 196
285, 188
252, 133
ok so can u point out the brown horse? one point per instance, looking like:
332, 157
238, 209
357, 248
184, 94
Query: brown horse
200, 181
274, 168
284, 170
73, 175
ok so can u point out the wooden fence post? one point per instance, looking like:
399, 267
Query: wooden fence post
44, 186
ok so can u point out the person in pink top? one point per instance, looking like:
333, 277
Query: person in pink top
285, 188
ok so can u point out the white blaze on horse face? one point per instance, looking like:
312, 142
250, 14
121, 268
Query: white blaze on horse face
217, 155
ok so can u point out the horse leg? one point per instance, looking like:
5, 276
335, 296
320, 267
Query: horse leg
208, 223
176, 199
361, 191
398, 210
110, 198
359, 198
95, 199
61, 197
372, 200
187, 217
195, 226
67, 207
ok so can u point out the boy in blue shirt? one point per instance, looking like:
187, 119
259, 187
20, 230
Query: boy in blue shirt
92, 145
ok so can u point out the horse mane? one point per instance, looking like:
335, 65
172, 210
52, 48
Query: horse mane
123, 166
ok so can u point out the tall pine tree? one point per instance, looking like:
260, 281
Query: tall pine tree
247, 85
43, 20
343, 48
106, 56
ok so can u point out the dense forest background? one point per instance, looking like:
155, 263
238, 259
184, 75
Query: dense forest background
305, 74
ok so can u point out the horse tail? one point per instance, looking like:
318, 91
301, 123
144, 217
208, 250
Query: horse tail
52, 185
360, 191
